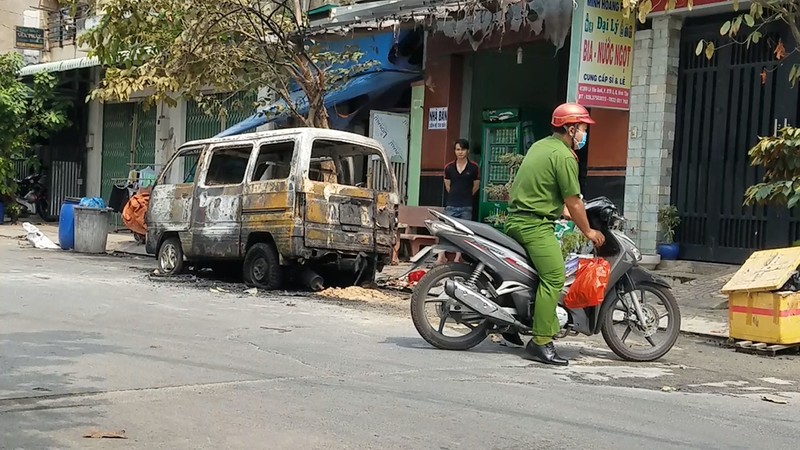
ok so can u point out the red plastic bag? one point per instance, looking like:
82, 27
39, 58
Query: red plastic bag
414, 277
589, 287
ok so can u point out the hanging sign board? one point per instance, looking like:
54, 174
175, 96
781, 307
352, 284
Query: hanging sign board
437, 118
29, 38
605, 54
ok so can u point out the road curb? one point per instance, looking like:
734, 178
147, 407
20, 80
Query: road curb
704, 327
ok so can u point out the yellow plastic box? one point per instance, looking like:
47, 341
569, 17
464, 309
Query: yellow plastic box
757, 311
768, 317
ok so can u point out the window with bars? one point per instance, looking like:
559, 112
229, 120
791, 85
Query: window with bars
64, 25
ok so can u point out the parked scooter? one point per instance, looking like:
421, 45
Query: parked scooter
32, 197
493, 291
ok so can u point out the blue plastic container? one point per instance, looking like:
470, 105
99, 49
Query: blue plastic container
2, 213
66, 225
668, 252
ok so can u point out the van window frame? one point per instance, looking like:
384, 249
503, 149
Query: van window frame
278, 140
379, 152
223, 146
179, 154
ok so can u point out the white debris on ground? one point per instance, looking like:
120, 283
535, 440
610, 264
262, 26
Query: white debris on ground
37, 238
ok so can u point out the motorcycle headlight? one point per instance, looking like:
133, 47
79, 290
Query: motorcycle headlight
636, 254
629, 245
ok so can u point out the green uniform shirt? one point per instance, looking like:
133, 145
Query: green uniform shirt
548, 175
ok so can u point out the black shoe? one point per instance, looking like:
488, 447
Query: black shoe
544, 354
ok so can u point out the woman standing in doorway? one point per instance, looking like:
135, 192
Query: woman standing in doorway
462, 180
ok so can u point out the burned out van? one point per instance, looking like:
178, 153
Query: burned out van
315, 200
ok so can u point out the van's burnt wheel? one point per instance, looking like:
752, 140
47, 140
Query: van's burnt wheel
262, 267
170, 257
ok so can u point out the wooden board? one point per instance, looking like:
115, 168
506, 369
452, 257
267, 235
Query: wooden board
765, 271
760, 348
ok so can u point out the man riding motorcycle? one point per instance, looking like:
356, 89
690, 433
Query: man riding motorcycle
545, 186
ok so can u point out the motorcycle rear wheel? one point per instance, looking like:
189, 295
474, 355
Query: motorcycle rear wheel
420, 298
44, 213
673, 314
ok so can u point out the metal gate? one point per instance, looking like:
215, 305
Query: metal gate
64, 182
723, 105
200, 125
144, 153
129, 142
117, 138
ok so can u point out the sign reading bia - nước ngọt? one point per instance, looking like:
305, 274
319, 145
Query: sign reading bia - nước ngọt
606, 56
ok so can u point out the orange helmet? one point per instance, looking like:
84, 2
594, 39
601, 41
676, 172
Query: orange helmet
569, 114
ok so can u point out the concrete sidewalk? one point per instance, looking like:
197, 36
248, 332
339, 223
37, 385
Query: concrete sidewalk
121, 242
696, 287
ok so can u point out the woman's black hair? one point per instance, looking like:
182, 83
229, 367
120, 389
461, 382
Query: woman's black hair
463, 143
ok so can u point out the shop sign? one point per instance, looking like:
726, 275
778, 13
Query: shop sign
606, 55
30, 38
437, 118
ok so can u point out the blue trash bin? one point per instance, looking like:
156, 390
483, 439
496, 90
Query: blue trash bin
66, 224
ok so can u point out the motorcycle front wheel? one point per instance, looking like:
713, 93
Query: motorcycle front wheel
632, 340
429, 297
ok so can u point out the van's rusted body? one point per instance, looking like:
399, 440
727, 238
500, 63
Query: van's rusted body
299, 192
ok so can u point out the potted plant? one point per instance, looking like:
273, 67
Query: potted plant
499, 192
668, 220
13, 211
572, 242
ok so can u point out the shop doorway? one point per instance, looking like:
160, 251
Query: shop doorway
514, 90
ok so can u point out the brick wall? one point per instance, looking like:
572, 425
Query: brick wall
652, 128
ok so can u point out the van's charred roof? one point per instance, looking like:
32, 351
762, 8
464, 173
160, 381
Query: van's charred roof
321, 133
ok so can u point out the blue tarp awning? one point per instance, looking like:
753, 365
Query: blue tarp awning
372, 84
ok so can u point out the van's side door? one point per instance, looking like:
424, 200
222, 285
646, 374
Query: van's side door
171, 199
217, 203
268, 201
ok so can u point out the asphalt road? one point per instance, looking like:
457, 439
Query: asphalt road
91, 344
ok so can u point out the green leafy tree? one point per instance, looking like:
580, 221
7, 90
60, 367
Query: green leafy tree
780, 158
167, 49
745, 28
29, 113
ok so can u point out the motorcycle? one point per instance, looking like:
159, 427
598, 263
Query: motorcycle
32, 197
493, 290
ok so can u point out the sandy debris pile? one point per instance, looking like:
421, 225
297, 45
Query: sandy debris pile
360, 294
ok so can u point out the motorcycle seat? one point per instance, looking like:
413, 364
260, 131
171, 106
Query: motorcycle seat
491, 233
